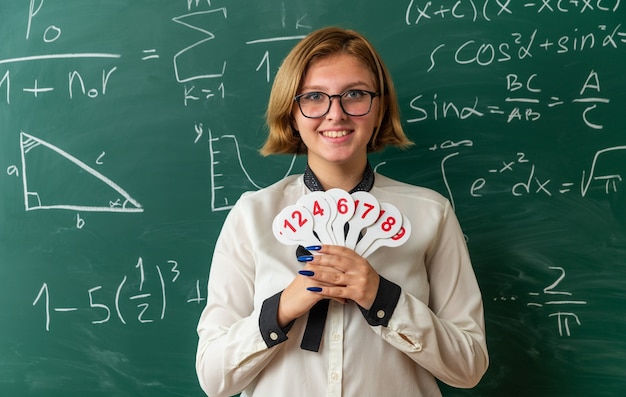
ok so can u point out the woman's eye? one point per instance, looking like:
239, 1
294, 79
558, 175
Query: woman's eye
313, 96
354, 94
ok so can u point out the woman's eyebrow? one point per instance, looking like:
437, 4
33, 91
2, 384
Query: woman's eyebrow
351, 85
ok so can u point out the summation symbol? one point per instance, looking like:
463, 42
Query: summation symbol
182, 77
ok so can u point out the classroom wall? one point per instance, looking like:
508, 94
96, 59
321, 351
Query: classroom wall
128, 129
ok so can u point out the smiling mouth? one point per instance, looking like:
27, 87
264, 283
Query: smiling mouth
335, 134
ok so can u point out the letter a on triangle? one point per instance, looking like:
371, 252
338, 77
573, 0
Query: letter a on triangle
54, 179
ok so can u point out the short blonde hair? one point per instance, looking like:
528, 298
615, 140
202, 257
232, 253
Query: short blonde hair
282, 138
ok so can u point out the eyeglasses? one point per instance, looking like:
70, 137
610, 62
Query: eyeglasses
317, 104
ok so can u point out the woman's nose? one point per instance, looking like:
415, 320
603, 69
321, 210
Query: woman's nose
336, 111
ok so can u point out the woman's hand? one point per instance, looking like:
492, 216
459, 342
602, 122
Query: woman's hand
343, 274
338, 273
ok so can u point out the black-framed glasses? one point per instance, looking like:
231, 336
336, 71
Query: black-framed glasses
317, 104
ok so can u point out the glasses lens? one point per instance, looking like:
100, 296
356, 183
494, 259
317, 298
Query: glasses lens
314, 104
356, 102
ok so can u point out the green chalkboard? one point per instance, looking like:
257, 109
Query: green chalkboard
129, 128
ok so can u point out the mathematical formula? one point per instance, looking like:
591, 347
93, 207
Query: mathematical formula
565, 311
147, 306
524, 103
533, 183
524, 46
422, 12
560, 303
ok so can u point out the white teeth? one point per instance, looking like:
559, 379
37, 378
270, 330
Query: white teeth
335, 134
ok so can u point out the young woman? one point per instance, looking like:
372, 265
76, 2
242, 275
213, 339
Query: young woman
327, 321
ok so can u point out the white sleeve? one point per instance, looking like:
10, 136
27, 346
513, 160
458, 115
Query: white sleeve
231, 350
447, 335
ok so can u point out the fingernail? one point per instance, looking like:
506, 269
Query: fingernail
306, 273
314, 289
314, 247
305, 258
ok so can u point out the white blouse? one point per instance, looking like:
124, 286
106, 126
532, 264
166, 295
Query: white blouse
435, 328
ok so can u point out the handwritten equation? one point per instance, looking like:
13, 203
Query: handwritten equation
597, 176
524, 46
421, 12
147, 305
560, 303
524, 102
564, 308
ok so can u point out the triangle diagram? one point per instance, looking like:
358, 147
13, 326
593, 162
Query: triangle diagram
54, 179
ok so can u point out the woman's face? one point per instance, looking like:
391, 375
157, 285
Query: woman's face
337, 138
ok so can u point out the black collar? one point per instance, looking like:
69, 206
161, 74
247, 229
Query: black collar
366, 184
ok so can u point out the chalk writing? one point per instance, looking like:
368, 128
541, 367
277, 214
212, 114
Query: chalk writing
549, 292
422, 12
191, 75
266, 56
523, 103
535, 183
75, 80
523, 46
30, 146
148, 306
218, 146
